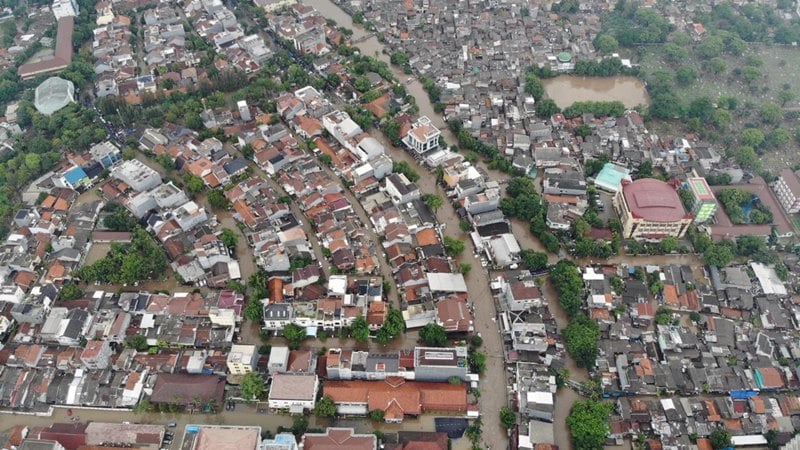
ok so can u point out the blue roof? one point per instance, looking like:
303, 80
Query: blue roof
611, 176
76, 176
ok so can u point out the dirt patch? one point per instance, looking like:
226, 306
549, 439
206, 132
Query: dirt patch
98, 251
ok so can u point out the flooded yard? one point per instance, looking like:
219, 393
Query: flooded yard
567, 89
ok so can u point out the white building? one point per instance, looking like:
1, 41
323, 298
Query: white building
65, 8
293, 392
274, 5
244, 110
423, 136
137, 175
343, 128
242, 359
278, 360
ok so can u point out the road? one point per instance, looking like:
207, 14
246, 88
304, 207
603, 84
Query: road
386, 270
494, 394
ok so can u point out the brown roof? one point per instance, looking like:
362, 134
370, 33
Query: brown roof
62, 56
395, 395
339, 438
182, 388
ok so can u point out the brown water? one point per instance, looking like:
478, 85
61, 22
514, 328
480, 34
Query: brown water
567, 89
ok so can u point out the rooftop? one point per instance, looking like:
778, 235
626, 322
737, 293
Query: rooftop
653, 200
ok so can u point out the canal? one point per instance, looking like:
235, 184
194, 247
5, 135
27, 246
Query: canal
568, 89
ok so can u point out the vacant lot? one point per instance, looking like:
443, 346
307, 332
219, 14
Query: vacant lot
98, 251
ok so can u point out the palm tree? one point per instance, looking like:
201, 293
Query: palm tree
211, 405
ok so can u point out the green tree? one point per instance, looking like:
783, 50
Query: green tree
546, 107
376, 415
70, 291
746, 157
507, 417
771, 113
299, 425
325, 407
254, 310
143, 407
464, 268
685, 75
606, 44
433, 335
194, 184
721, 438
252, 386
711, 47
217, 199
478, 361
581, 337
568, 282
534, 260
433, 201
669, 244
362, 84
229, 237
718, 255
778, 137
718, 65
360, 329
588, 423
294, 334
137, 342
453, 246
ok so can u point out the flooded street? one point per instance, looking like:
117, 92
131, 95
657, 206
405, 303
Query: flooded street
568, 89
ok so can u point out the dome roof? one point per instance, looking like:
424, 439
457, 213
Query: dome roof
53, 94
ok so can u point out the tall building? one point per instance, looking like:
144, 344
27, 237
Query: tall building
242, 359
423, 136
651, 209
704, 203
787, 189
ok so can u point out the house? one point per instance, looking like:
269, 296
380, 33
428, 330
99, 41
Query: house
420, 440
96, 355
787, 190
339, 439
400, 189
277, 315
440, 364
423, 136
396, 397
242, 359
183, 389
454, 315
521, 295
295, 392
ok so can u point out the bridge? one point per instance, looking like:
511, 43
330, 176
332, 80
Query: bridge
363, 38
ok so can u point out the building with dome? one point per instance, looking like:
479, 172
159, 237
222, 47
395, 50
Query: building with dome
53, 94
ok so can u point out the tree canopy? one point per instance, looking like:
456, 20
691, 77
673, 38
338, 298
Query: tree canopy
252, 386
433, 335
588, 423
140, 260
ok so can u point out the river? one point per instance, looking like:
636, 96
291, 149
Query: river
568, 89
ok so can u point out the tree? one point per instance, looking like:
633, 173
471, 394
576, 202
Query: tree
194, 184
299, 425
507, 417
144, 406
362, 84
581, 337
360, 329
294, 334
721, 438
252, 386
685, 75
433, 335
606, 43
718, 255
433, 201
70, 291
568, 282
478, 361
325, 407
217, 199
452, 246
778, 137
254, 310
669, 244
718, 65
119, 218
229, 238
546, 107
711, 47
746, 157
771, 113
588, 423
464, 268
534, 260
137, 342
376, 415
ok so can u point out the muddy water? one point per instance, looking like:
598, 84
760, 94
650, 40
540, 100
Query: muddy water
567, 89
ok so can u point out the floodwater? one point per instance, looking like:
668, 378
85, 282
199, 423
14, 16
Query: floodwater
568, 89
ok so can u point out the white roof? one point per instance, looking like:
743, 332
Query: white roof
770, 283
752, 439
337, 284
148, 321
590, 275
446, 282
540, 398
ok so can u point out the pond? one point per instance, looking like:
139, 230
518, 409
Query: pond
568, 89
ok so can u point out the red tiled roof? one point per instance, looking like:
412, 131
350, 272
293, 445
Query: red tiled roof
653, 200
